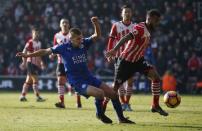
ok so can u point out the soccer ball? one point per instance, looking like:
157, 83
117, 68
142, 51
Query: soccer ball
172, 99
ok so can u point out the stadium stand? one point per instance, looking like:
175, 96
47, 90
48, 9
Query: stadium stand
178, 37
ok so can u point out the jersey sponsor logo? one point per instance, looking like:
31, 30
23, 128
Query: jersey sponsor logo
79, 59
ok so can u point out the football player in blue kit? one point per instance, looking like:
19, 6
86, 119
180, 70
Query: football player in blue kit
74, 55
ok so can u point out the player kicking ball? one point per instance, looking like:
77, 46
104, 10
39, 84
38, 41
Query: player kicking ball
74, 55
132, 60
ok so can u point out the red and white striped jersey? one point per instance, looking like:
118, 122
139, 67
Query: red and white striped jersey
118, 30
60, 38
135, 48
32, 46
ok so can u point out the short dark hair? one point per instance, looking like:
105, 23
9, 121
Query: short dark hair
75, 31
154, 12
125, 6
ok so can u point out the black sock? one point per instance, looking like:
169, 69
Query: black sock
117, 106
98, 105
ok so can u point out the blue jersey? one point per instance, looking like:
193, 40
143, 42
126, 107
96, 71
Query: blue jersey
75, 59
149, 56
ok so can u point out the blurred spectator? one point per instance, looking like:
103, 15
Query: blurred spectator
194, 65
198, 46
178, 35
169, 82
149, 56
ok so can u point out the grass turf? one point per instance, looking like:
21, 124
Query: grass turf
36, 116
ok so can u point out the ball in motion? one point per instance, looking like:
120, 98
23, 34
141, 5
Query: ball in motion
172, 99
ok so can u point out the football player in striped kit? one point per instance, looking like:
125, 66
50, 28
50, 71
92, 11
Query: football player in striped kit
120, 29
33, 65
61, 38
132, 59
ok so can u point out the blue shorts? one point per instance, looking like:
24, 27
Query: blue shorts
80, 86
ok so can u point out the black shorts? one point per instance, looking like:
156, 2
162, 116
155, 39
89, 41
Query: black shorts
32, 69
60, 70
125, 70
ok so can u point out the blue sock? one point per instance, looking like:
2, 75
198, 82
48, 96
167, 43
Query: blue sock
117, 106
98, 105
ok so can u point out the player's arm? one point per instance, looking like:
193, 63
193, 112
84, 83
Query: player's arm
123, 40
38, 53
97, 31
24, 60
112, 37
111, 40
43, 65
52, 56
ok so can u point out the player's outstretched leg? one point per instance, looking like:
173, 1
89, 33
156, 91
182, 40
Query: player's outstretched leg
112, 94
117, 106
156, 92
99, 112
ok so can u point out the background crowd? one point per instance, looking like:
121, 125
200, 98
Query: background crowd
176, 45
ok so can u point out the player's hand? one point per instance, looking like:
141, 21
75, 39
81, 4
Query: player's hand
20, 54
23, 66
110, 54
110, 59
94, 19
43, 66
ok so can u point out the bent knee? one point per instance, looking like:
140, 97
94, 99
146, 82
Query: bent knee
100, 94
130, 84
156, 79
61, 81
113, 95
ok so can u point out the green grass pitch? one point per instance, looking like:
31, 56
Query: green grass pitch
35, 116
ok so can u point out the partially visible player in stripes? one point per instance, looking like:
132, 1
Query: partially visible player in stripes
120, 29
33, 65
61, 38
132, 59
